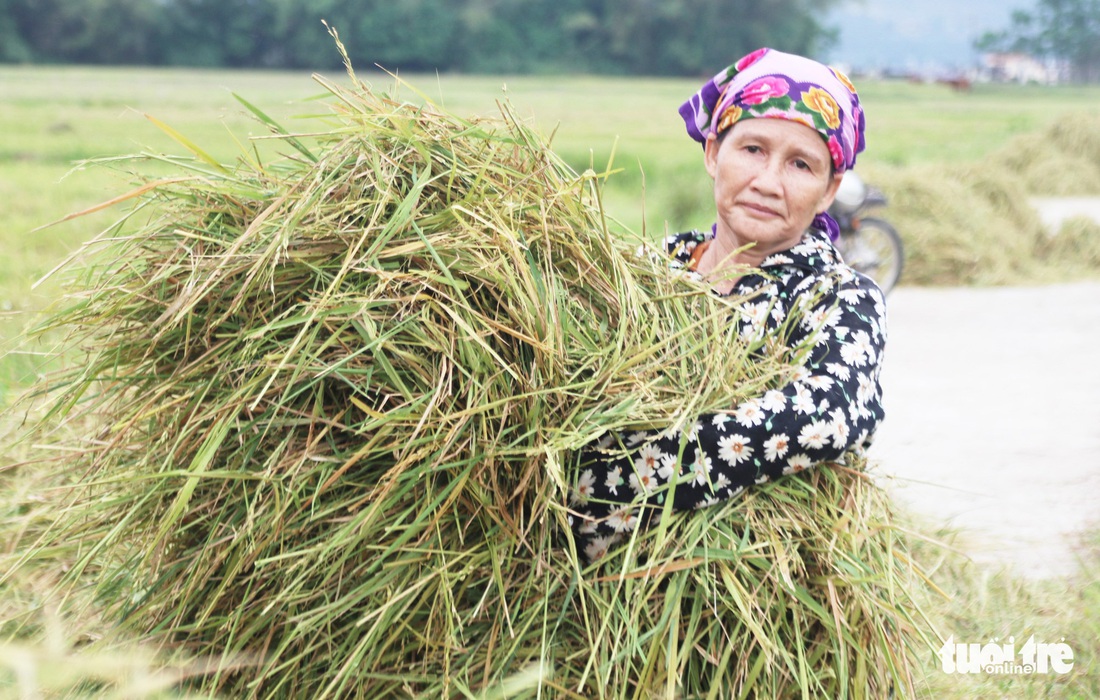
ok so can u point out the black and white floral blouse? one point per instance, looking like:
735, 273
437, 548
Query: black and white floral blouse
831, 407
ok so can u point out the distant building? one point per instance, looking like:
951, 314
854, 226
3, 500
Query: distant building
1018, 68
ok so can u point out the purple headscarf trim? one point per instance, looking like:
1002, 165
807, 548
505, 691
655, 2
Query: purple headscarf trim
826, 223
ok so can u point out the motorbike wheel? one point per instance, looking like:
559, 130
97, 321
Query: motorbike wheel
875, 250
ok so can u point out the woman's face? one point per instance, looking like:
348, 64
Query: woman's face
771, 177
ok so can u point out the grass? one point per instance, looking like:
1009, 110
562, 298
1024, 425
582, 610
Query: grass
56, 116
332, 398
987, 603
63, 115
983, 603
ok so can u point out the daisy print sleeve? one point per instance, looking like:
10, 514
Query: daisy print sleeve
810, 301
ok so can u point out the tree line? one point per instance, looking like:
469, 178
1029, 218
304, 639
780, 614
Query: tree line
642, 37
1064, 30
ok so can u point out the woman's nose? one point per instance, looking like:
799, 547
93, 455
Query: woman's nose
768, 176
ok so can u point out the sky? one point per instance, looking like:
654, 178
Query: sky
926, 36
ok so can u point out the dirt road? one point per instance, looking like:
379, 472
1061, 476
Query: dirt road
993, 417
1054, 211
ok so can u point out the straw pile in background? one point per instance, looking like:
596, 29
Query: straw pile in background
330, 404
1062, 159
974, 223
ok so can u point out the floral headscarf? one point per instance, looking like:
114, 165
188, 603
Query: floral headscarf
772, 84
776, 85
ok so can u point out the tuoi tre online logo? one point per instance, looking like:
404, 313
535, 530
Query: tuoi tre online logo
993, 658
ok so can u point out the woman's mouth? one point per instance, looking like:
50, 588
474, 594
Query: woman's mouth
759, 209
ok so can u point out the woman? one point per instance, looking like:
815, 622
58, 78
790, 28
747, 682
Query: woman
778, 133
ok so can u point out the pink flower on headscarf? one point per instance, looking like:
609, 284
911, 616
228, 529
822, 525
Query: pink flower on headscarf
856, 127
764, 89
836, 151
750, 59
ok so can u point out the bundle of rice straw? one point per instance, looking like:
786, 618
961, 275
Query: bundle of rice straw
333, 401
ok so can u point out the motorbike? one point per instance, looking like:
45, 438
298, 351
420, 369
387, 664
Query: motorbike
868, 244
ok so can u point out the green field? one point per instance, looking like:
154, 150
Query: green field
52, 119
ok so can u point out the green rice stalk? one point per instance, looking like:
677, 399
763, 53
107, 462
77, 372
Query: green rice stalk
327, 407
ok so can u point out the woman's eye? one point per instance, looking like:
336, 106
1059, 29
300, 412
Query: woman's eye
752, 149
801, 165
